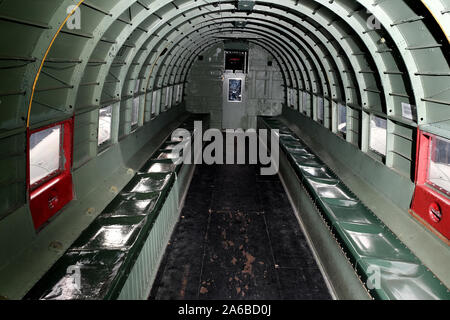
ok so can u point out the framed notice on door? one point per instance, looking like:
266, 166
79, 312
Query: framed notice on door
235, 90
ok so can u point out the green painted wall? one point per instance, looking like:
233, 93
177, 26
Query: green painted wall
387, 182
26, 255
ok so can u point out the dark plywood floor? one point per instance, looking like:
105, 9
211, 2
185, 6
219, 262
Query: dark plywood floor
238, 238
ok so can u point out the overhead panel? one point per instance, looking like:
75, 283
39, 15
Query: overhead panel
239, 24
245, 5
238, 44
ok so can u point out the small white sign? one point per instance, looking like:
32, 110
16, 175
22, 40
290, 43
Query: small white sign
407, 111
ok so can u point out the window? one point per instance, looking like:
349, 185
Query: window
439, 164
45, 154
342, 119
50, 177
409, 111
235, 90
175, 94
291, 97
135, 112
180, 98
378, 130
320, 109
104, 125
167, 103
154, 102
136, 86
178, 93
305, 105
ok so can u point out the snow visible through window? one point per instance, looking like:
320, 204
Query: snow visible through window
439, 169
342, 118
378, 130
45, 153
104, 125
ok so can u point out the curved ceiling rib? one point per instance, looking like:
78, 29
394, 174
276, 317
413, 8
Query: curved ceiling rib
440, 13
190, 60
36, 78
306, 43
100, 82
265, 35
131, 77
328, 49
186, 58
419, 54
286, 65
219, 18
366, 58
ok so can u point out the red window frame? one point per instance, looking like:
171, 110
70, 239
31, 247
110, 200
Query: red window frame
431, 204
50, 194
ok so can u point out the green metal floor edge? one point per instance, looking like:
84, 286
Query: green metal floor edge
387, 267
106, 252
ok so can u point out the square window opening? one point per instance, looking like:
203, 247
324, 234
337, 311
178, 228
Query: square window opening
135, 112
180, 99
320, 110
236, 61
136, 86
178, 93
305, 104
439, 164
174, 95
104, 125
45, 155
292, 98
342, 119
154, 102
409, 111
167, 98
